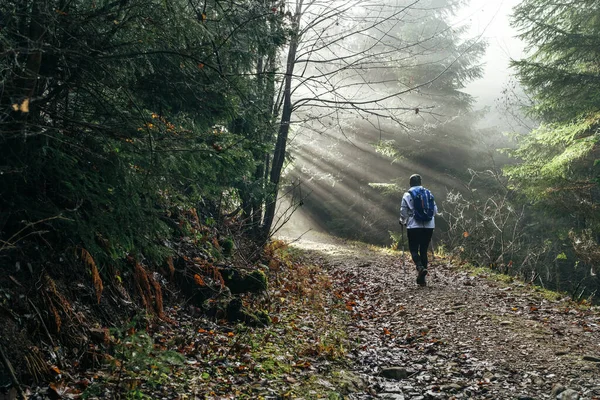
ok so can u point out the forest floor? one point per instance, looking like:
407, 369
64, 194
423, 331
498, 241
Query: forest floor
349, 321
469, 334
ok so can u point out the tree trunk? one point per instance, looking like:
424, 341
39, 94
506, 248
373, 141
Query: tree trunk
282, 136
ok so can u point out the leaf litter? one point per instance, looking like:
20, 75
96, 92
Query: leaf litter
465, 335
349, 321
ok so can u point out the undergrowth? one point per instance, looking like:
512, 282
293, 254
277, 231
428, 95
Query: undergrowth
506, 280
211, 359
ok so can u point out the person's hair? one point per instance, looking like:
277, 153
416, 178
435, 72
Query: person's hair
415, 180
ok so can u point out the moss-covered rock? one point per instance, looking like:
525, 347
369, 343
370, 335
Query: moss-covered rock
237, 313
239, 281
227, 247
264, 318
257, 281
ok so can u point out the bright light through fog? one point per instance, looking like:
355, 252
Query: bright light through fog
425, 55
491, 20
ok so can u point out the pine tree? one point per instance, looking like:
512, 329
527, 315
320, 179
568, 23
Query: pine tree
559, 160
113, 114
562, 71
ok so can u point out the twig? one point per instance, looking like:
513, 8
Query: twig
13, 377
6, 244
42, 322
300, 237
119, 378
403, 253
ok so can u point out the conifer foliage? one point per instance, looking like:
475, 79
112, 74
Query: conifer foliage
115, 115
559, 168
560, 159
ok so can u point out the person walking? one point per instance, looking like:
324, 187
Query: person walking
417, 213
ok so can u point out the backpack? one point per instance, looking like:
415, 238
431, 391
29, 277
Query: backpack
423, 202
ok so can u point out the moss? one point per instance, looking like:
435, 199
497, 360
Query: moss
214, 252
227, 246
508, 279
239, 282
263, 317
257, 281
237, 313
549, 294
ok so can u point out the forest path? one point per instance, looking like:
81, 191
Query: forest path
470, 336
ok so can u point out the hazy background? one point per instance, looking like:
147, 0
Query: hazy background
489, 22
490, 19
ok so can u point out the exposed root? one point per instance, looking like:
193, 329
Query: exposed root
36, 366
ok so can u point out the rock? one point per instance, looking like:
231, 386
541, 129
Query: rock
424, 330
452, 387
99, 335
325, 383
538, 381
236, 312
242, 282
568, 394
450, 312
591, 358
347, 382
391, 396
505, 323
396, 373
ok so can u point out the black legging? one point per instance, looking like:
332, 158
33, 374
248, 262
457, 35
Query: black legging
418, 242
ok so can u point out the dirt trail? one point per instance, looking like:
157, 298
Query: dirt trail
462, 336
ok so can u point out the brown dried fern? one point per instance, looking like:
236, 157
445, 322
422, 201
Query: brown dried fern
158, 298
171, 268
54, 300
96, 280
143, 284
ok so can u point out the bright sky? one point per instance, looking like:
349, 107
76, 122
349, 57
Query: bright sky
490, 18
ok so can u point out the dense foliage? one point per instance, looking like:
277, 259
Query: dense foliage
560, 170
541, 219
117, 115
561, 75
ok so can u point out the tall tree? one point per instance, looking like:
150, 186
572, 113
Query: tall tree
560, 165
401, 105
115, 113
340, 66
559, 161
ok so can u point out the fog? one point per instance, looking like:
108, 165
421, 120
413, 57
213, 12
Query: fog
490, 19
337, 166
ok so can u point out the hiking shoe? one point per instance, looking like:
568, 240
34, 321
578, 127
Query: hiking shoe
421, 276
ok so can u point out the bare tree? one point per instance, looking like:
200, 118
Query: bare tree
342, 60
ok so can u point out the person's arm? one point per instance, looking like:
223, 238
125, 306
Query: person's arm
404, 209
